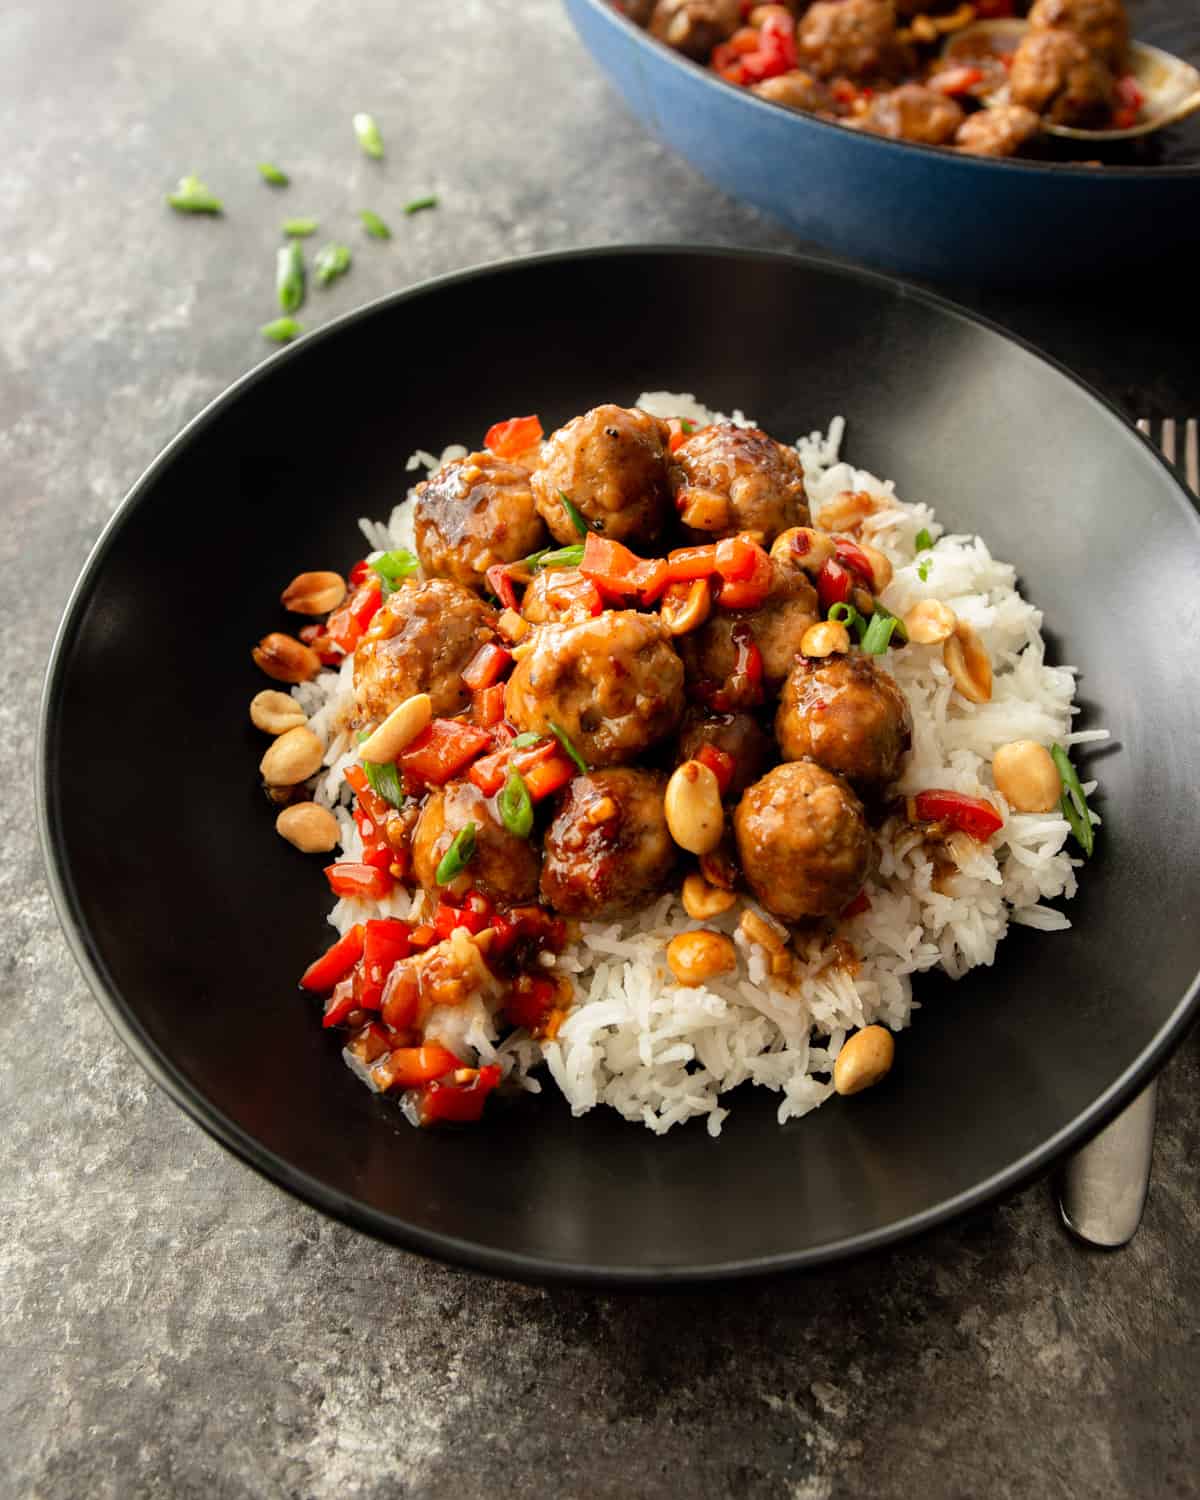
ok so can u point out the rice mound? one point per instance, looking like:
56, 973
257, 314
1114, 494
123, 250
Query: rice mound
659, 1052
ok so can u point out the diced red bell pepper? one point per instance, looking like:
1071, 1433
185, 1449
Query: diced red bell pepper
340, 1004
548, 776
529, 1000
972, 815
953, 81
442, 750
566, 592
609, 565
348, 623
861, 903
680, 428
448, 917
749, 592
422, 936
490, 772
499, 580
315, 636
835, 584
488, 665
515, 436
686, 563
651, 578
487, 706
408, 1067
358, 880
335, 963
369, 800
719, 762
745, 686
359, 573
734, 557
401, 997
385, 944
447, 1102
853, 557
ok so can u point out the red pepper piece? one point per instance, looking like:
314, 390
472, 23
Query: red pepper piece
487, 706
422, 936
369, 801
854, 558
719, 762
610, 566
402, 997
340, 1004
750, 592
499, 580
861, 903
577, 594
972, 815
686, 563
532, 996
834, 584
733, 557
408, 1067
489, 773
953, 81
315, 636
385, 944
370, 1043
335, 963
446, 1102
442, 750
355, 879
448, 917
487, 666
680, 428
359, 573
650, 579
515, 436
548, 776
348, 623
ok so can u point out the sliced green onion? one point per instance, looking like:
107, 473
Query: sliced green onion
846, 614
878, 634
516, 806
898, 626
458, 856
192, 197
369, 136
393, 566
330, 262
384, 779
923, 569
924, 540
276, 176
415, 205
1074, 801
555, 557
523, 741
300, 229
564, 739
282, 330
289, 276
575, 514
374, 225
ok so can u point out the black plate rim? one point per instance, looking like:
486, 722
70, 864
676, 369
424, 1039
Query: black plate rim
988, 163
448, 1248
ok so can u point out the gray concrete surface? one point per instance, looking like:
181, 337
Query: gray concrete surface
169, 1324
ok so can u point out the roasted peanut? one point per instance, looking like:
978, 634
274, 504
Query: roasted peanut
275, 712
398, 730
803, 547
846, 510
825, 639
293, 758
757, 929
685, 606
311, 828
694, 957
314, 593
865, 1058
968, 664
285, 658
930, 622
692, 804
702, 901
881, 566
1027, 777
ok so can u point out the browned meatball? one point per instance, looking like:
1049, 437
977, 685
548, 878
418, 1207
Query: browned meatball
913, 113
420, 641
728, 479
613, 684
560, 594
473, 513
638, 11
608, 849
1101, 25
1000, 131
611, 464
854, 38
710, 654
1055, 75
503, 866
849, 716
694, 27
739, 735
803, 841
795, 90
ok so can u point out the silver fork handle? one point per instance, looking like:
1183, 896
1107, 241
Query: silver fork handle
1103, 1188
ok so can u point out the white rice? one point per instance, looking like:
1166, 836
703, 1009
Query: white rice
660, 1053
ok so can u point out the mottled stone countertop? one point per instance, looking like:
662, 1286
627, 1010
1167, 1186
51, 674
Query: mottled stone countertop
171, 1324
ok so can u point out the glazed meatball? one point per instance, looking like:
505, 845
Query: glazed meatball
777, 627
608, 849
611, 464
849, 716
503, 866
1000, 131
728, 479
694, 27
639, 11
420, 641
560, 594
473, 513
803, 841
913, 113
795, 90
1101, 25
739, 735
614, 685
1055, 75
854, 38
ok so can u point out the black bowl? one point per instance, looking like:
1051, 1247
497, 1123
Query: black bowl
191, 919
925, 210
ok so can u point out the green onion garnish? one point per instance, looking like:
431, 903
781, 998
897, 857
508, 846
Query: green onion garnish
555, 557
276, 176
878, 634
300, 229
384, 779
564, 739
923, 569
289, 276
374, 225
523, 741
192, 197
330, 262
282, 330
415, 205
924, 540
846, 614
369, 137
516, 806
574, 513
1074, 802
898, 624
393, 566
458, 856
